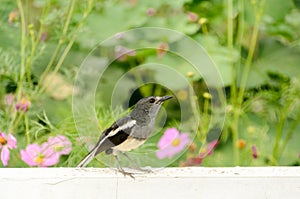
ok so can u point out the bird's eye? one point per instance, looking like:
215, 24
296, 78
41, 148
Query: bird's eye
152, 100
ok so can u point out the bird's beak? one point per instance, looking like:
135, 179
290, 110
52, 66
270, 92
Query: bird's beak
160, 100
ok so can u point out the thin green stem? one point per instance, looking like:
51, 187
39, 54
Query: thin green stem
32, 53
35, 41
45, 11
240, 33
279, 131
233, 77
289, 134
249, 58
27, 129
16, 121
60, 42
23, 49
23, 45
230, 46
12, 122
240, 95
68, 19
70, 44
193, 98
29, 42
234, 129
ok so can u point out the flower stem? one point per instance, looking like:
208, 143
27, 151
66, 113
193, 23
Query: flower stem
240, 95
235, 73
289, 134
279, 131
23, 45
23, 49
16, 121
230, 46
59, 45
27, 129
62, 41
234, 126
35, 41
249, 58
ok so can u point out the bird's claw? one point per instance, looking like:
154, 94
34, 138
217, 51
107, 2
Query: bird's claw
126, 173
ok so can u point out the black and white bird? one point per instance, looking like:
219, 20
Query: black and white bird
128, 132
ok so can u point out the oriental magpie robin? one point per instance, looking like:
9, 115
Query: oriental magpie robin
128, 132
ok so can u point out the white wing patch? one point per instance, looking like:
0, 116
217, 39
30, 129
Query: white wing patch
127, 125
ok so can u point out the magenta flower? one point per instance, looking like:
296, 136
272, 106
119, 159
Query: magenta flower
60, 144
254, 152
122, 53
41, 156
171, 143
6, 143
208, 149
23, 105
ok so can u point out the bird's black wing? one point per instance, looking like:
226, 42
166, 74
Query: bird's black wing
115, 134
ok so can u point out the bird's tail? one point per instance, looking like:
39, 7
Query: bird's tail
88, 158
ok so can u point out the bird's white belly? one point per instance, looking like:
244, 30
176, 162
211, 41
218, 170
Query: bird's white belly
129, 144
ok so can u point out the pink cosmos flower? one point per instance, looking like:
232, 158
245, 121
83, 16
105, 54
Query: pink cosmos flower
254, 152
41, 156
23, 105
60, 144
6, 143
122, 53
171, 143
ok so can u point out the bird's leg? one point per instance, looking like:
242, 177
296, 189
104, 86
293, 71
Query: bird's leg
135, 165
120, 169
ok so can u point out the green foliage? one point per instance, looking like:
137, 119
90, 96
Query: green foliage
254, 45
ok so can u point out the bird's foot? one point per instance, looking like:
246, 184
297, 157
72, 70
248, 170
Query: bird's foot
135, 166
126, 173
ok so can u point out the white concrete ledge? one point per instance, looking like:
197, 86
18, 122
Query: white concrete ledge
196, 182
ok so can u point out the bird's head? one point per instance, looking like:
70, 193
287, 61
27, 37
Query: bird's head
149, 106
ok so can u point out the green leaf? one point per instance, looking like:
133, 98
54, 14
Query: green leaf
283, 60
220, 55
